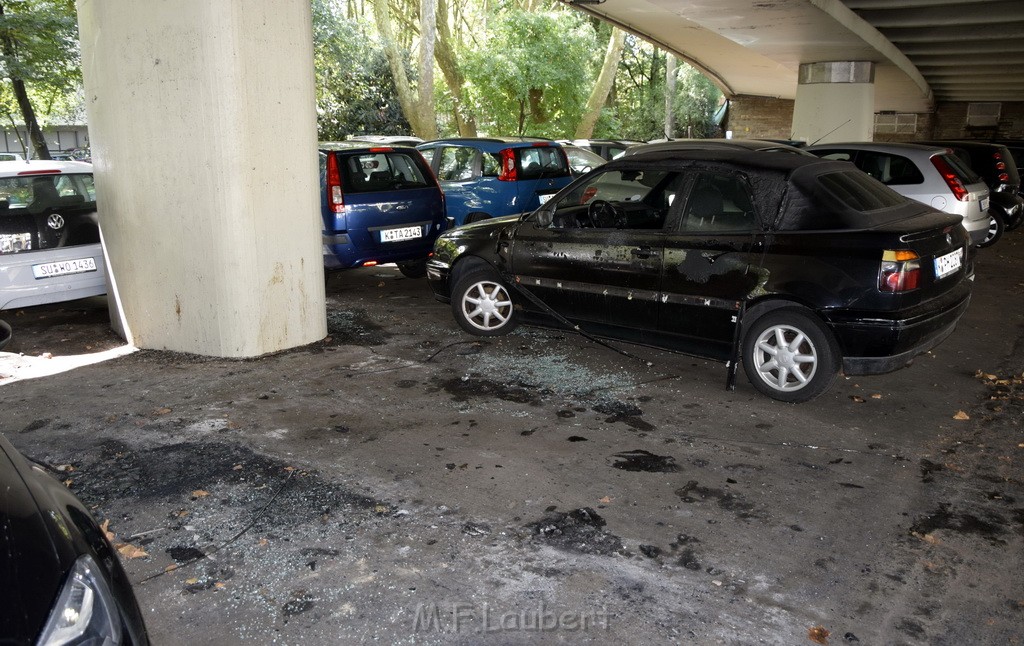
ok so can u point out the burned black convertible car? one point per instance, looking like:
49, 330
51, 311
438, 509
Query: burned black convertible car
795, 266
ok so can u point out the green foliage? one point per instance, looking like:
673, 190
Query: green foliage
533, 74
39, 45
354, 86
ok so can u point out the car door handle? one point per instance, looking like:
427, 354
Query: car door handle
712, 257
642, 252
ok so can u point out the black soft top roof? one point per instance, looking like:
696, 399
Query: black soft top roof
788, 194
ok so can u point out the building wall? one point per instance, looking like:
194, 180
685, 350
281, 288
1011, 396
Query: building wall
58, 138
758, 117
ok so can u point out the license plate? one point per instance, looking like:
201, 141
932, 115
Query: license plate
404, 233
63, 268
983, 203
544, 197
949, 263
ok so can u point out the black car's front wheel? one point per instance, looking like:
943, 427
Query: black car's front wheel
790, 356
482, 304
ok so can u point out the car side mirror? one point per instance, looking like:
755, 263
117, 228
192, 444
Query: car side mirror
544, 218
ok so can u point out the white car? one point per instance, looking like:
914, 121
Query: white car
50, 247
929, 174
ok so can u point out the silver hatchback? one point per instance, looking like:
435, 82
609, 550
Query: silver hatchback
928, 174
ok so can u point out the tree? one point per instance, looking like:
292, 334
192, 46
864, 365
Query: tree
417, 103
603, 85
39, 59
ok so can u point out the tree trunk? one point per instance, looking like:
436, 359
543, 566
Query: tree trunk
35, 133
445, 55
428, 33
670, 96
603, 85
421, 118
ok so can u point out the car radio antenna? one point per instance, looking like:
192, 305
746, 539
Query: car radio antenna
831, 131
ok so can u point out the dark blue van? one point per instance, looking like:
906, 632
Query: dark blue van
380, 204
489, 177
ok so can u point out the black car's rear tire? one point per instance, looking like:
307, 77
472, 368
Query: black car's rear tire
789, 355
482, 304
413, 268
996, 226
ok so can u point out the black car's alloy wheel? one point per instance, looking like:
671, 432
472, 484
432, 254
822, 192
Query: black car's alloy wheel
790, 356
995, 231
483, 305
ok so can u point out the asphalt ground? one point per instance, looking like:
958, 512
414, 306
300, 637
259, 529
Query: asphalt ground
403, 482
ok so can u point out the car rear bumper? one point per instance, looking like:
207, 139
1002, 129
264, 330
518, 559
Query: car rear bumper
346, 256
20, 288
873, 343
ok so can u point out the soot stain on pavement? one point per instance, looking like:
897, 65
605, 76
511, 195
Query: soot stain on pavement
235, 475
963, 523
354, 327
463, 389
645, 461
628, 414
580, 530
692, 492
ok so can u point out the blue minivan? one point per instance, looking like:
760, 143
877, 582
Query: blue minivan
490, 177
380, 204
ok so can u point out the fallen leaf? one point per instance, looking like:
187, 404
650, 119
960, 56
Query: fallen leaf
381, 284
171, 568
381, 509
68, 482
263, 542
605, 500
106, 532
181, 513
858, 399
237, 467
876, 396
191, 581
927, 538
289, 469
65, 467
161, 411
130, 551
219, 585
960, 415
818, 634
199, 493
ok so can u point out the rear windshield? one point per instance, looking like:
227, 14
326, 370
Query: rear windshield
541, 161
39, 193
966, 175
46, 211
859, 192
382, 171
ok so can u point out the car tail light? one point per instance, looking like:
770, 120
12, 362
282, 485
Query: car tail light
370, 263
334, 193
507, 157
40, 172
952, 180
900, 271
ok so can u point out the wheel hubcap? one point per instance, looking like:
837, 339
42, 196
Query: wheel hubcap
785, 358
487, 305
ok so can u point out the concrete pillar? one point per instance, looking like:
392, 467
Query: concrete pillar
203, 130
835, 101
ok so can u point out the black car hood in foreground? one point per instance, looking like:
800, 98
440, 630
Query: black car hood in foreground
31, 568
44, 531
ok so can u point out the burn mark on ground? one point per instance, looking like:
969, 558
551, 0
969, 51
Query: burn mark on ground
645, 461
692, 492
990, 528
579, 530
465, 388
628, 414
354, 327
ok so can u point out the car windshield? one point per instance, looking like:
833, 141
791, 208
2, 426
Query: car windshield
39, 193
381, 171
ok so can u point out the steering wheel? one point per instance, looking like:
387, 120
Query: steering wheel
602, 211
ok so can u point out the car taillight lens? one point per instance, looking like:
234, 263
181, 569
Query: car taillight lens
952, 180
334, 192
507, 157
900, 271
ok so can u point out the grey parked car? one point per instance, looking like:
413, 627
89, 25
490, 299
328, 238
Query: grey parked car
928, 174
758, 145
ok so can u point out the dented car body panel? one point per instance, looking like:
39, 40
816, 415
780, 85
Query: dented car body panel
697, 243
